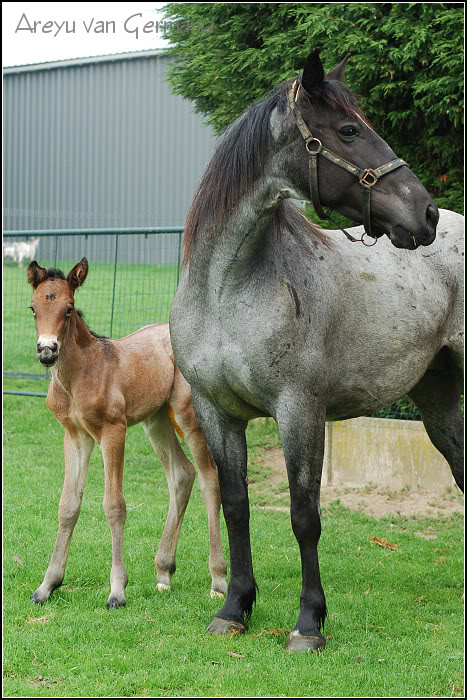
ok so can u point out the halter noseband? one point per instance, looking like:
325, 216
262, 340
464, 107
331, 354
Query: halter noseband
367, 177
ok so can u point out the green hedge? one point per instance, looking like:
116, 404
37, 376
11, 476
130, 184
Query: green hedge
407, 66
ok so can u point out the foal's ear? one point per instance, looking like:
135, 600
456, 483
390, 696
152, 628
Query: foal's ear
337, 73
77, 275
36, 274
313, 72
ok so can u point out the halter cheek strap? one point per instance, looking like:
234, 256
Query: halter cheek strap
367, 177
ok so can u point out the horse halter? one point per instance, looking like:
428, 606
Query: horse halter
368, 177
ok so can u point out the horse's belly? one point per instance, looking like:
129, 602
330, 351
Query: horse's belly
362, 392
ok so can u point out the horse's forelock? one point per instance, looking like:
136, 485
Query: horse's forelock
53, 273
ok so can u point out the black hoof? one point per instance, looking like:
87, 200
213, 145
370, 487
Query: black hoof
39, 600
300, 643
220, 626
114, 603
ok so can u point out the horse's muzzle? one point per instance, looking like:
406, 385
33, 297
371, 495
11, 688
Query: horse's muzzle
47, 354
411, 236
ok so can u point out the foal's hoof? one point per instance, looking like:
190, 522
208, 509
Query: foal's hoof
220, 626
114, 603
216, 594
301, 642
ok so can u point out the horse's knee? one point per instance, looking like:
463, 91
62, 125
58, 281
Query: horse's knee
306, 521
236, 508
115, 511
68, 514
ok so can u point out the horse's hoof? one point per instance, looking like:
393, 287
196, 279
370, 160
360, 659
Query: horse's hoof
216, 594
300, 642
220, 626
38, 599
162, 587
114, 603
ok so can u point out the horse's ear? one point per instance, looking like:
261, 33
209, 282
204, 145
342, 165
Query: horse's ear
36, 274
313, 72
337, 73
77, 275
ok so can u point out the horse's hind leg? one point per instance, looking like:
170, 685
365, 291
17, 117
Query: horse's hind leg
77, 453
209, 486
437, 396
301, 425
180, 476
180, 403
112, 444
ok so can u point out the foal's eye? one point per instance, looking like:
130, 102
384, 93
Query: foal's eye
349, 131
69, 311
33, 310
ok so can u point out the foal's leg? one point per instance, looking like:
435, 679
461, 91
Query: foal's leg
226, 439
77, 453
209, 487
180, 403
180, 476
112, 444
437, 396
301, 427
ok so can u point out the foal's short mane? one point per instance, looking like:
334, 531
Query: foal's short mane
96, 335
239, 160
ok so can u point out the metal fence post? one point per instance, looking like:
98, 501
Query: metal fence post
113, 290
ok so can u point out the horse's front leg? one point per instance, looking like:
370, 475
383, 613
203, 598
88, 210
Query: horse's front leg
301, 426
227, 442
112, 444
78, 448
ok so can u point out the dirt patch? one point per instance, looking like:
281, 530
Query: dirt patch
373, 500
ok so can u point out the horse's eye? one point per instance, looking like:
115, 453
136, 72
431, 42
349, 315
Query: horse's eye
33, 310
69, 311
349, 131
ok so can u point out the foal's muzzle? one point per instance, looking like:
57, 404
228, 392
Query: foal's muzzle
47, 353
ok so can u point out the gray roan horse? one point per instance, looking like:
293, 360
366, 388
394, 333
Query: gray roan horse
274, 317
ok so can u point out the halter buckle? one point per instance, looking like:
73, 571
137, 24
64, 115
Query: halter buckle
318, 150
369, 178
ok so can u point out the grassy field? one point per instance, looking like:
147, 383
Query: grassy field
395, 625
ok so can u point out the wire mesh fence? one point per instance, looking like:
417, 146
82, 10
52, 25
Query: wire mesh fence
132, 279
133, 275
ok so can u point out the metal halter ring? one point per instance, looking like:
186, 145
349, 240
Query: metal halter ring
368, 173
320, 146
368, 245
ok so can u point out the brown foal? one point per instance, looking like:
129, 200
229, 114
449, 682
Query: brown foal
99, 387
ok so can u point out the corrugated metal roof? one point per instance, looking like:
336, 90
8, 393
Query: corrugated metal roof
65, 63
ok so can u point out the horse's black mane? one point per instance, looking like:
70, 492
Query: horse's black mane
96, 335
52, 274
239, 160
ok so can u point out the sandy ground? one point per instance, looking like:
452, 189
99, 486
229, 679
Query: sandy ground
371, 499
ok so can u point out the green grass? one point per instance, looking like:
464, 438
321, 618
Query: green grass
395, 622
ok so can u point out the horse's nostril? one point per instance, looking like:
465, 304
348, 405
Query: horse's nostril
432, 216
54, 347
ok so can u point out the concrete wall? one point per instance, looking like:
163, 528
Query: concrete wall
386, 452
